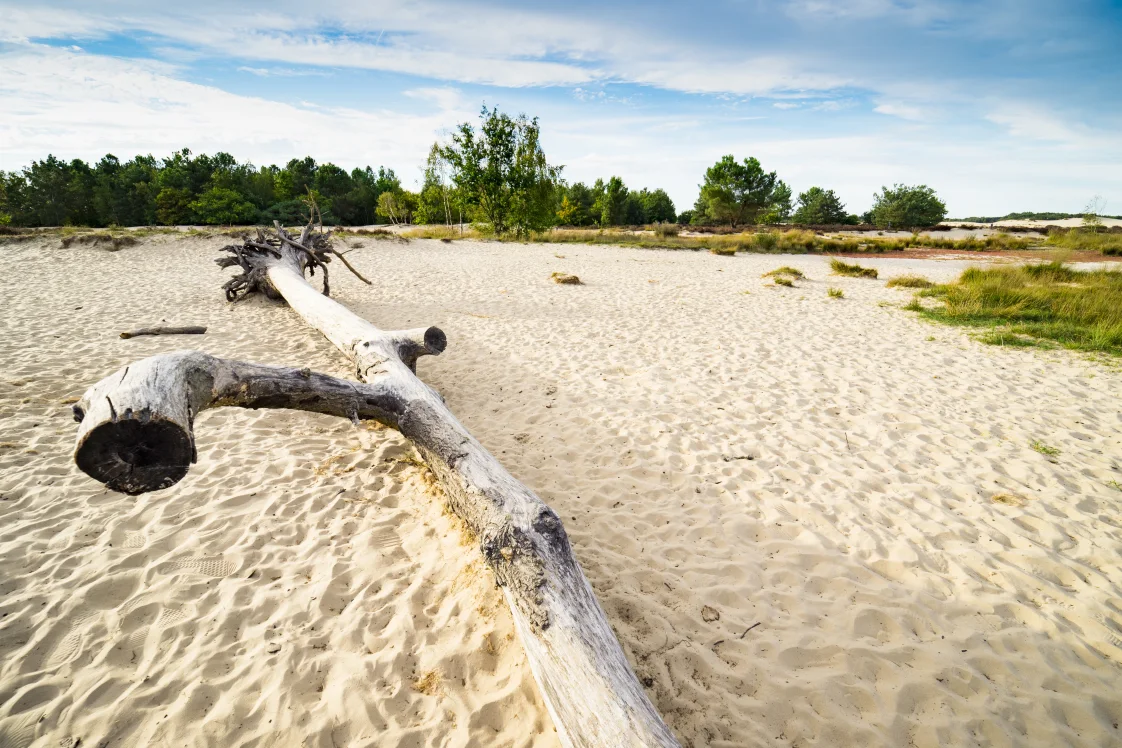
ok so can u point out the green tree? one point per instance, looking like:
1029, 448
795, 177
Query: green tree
503, 171
657, 206
738, 193
819, 206
780, 209
221, 205
292, 182
576, 207
173, 206
907, 207
612, 202
435, 200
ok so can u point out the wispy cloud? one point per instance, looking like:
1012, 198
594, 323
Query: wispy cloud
80, 105
896, 109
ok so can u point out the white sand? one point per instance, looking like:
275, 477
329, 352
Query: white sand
824, 468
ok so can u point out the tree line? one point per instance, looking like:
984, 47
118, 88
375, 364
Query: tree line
495, 174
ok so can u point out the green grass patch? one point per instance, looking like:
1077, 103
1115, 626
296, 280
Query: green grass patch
835, 293
908, 281
1044, 449
1038, 305
781, 281
854, 271
723, 251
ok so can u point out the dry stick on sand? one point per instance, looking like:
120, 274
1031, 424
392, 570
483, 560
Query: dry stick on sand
160, 330
136, 436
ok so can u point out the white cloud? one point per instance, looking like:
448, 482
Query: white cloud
78, 105
446, 98
503, 46
903, 111
1030, 122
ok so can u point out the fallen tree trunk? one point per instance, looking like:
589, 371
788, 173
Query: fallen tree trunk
160, 330
136, 436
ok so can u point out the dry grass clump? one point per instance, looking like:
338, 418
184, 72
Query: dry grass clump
664, 230
723, 251
854, 271
781, 281
908, 281
1034, 305
440, 232
109, 242
1008, 499
566, 279
786, 270
835, 293
430, 683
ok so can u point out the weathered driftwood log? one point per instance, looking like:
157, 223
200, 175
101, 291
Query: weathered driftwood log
136, 436
161, 330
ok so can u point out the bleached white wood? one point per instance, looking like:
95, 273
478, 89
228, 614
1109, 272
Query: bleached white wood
136, 436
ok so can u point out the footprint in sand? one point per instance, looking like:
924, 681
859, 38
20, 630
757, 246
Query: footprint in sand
385, 540
134, 540
212, 567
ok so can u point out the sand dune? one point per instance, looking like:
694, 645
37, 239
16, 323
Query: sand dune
811, 521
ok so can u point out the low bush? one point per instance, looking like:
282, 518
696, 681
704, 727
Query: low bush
854, 271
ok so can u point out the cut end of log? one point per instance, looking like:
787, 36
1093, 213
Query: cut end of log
435, 341
136, 455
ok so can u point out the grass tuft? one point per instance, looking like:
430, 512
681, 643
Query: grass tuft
854, 271
908, 281
785, 270
781, 281
1033, 305
1043, 448
723, 251
835, 293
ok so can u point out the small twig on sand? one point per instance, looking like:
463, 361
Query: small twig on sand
754, 625
159, 330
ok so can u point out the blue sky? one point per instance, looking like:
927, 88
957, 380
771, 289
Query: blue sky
1000, 106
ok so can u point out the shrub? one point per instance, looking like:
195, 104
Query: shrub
855, 271
835, 293
667, 229
902, 206
566, 279
723, 251
766, 241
